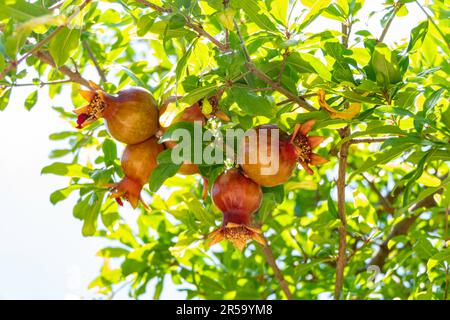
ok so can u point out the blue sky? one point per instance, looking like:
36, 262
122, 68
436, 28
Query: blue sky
42, 252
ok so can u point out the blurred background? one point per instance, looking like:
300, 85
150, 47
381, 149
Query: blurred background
42, 252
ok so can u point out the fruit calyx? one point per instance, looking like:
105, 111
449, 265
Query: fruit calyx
129, 190
305, 144
237, 234
93, 111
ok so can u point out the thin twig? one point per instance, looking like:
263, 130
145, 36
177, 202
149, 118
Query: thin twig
446, 283
387, 206
345, 34
154, 6
388, 24
369, 140
402, 227
283, 65
365, 243
434, 24
100, 72
227, 32
197, 28
43, 42
261, 75
40, 83
446, 224
241, 39
341, 259
57, 5
303, 96
267, 251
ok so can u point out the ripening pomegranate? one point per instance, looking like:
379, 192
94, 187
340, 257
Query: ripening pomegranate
138, 162
131, 115
171, 116
238, 198
293, 149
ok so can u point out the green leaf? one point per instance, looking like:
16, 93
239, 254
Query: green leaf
67, 169
181, 65
198, 94
417, 35
144, 24
321, 70
443, 255
382, 157
268, 204
62, 194
64, 44
385, 65
332, 208
91, 214
134, 77
112, 252
296, 61
4, 98
251, 103
314, 11
279, 9
226, 18
433, 99
424, 249
253, 10
21, 10
198, 210
161, 173
31, 100
109, 151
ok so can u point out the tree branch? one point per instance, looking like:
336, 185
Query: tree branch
74, 76
397, 7
401, 228
43, 42
101, 73
267, 251
197, 28
341, 259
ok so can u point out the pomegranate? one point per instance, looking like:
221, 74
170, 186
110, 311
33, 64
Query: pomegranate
238, 198
131, 115
169, 116
293, 149
138, 162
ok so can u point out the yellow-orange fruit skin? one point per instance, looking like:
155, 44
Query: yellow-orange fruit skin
131, 116
138, 162
287, 159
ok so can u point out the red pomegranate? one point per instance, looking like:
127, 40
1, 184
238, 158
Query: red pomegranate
293, 149
138, 162
238, 198
131, 115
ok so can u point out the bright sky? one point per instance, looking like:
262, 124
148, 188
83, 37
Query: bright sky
42, 252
